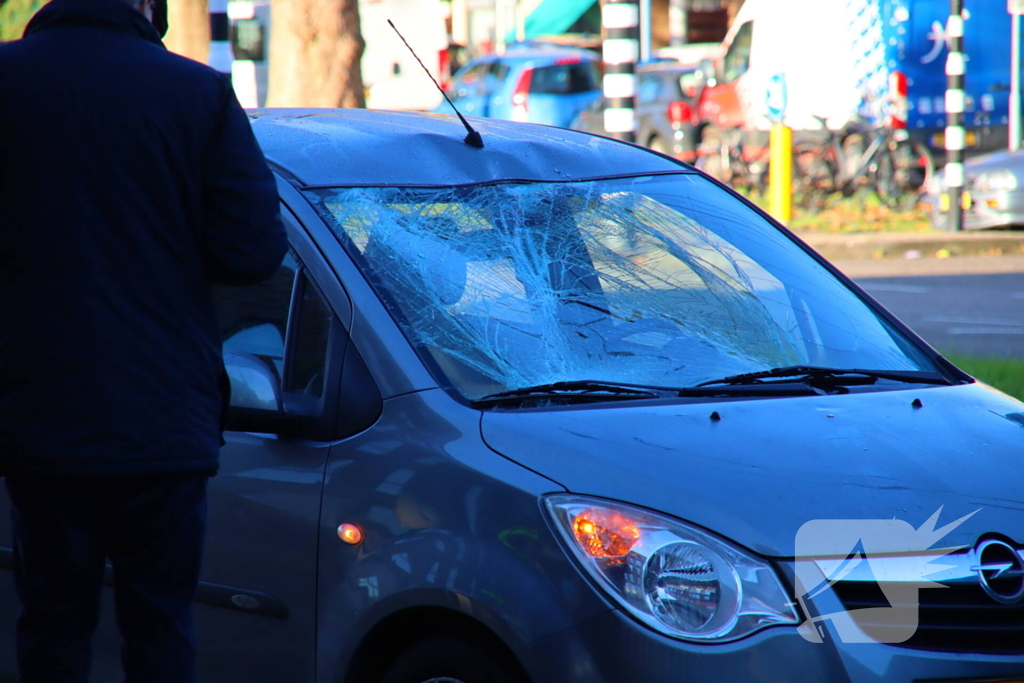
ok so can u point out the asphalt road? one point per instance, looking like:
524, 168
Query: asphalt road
973, 308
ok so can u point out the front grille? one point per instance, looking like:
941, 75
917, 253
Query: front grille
959, 618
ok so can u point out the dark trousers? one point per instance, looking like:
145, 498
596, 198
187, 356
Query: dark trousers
151, 527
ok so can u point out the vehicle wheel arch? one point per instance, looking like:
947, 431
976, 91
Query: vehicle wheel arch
400, 629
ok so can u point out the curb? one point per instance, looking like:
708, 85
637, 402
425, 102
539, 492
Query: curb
902, 245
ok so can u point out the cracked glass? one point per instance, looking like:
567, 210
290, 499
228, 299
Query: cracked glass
661, 280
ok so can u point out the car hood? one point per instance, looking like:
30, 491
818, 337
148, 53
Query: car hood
768, 466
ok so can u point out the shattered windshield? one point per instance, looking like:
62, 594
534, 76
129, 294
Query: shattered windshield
657, 280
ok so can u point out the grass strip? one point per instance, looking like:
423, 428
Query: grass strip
1004, 374
860, 213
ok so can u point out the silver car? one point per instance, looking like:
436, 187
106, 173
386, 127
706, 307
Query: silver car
993, 193
665, 118
559, 409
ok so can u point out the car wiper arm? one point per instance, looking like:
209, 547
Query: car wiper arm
810, 373
592, 391
583, 389
751, 383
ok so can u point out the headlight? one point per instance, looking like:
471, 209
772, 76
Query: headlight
675, 578
995, 181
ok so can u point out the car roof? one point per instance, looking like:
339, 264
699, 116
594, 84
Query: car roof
540, 53
663, 66
997, 160
337, 147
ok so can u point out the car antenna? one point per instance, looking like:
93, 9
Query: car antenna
472, 138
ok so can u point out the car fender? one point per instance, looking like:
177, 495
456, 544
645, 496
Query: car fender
518, 584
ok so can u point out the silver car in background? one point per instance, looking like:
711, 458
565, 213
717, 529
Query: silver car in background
665, 114
993, 193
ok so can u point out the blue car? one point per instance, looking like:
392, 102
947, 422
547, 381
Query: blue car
536, 84
560, 409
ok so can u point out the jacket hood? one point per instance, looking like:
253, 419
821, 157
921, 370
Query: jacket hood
768, 466
107, 13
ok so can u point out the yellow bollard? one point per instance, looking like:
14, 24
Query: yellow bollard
780, 174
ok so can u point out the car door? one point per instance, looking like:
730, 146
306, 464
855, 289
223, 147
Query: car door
256, 617
256, 604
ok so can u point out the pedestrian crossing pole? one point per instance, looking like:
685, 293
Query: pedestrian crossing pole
220, 56
243, 71
620, 50
955, 101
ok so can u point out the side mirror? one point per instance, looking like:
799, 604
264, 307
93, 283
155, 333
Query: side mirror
256, 402
254, 384
707, 75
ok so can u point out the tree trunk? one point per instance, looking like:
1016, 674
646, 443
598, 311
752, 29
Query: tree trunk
188, 30
315, 48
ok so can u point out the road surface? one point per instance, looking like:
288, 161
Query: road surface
971, 306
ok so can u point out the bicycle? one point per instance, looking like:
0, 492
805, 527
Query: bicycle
858, 157
721, 154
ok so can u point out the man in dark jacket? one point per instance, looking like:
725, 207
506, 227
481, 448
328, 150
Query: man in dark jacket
129, 181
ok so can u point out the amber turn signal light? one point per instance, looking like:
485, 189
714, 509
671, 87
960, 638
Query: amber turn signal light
602, 533
350, 533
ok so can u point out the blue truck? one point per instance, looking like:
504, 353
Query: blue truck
881, 60
919, 51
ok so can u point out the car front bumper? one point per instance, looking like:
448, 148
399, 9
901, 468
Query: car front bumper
612, 647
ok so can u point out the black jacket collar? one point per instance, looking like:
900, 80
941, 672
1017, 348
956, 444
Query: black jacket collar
108, 13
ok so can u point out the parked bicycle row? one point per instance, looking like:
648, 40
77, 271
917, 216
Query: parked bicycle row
827, 164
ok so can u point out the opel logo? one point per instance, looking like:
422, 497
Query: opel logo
1000, 570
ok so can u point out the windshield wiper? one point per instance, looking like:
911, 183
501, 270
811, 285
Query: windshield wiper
577, 390
797, 380
809, 374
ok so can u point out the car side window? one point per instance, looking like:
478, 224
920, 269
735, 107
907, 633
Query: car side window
737, 58
311, 335
595, 76
259, 320
496, 75
686, 85
470, 83
254, 318
562, 79
581, 78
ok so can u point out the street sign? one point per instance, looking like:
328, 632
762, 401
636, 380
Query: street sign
777, 97
1015, 6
